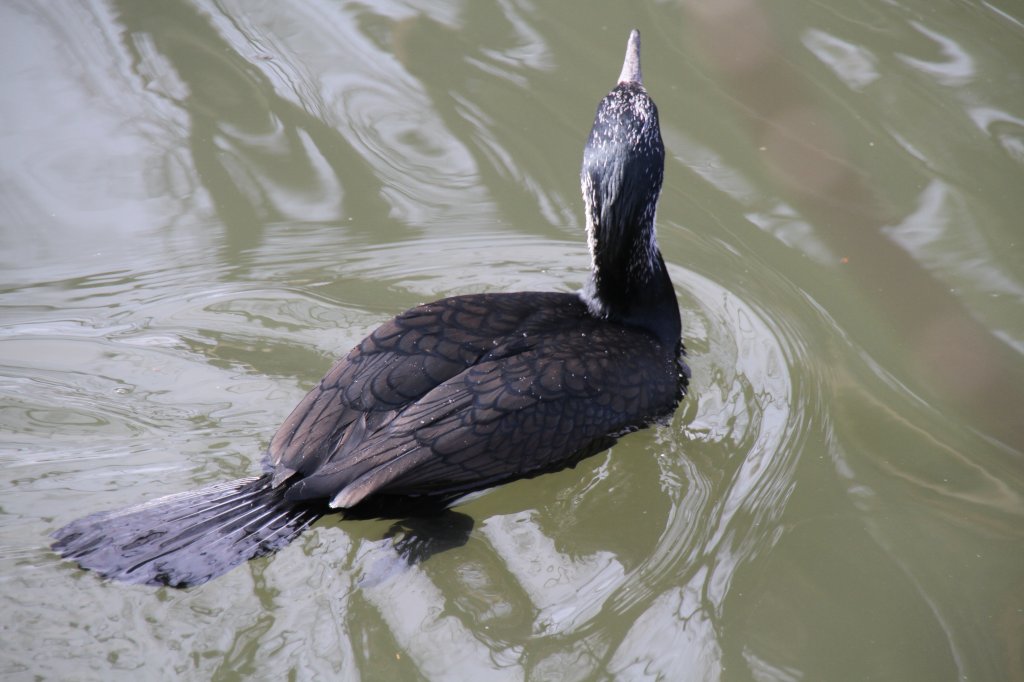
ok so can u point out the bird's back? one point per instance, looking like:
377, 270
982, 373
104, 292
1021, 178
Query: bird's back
472, 391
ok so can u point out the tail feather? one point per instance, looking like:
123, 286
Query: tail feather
186, 539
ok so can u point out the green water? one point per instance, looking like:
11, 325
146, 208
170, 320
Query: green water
203, 204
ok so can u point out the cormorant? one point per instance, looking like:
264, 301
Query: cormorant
452, 396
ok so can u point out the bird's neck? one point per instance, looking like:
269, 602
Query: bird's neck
629, 282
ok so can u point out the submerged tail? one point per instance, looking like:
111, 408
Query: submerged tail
186, 539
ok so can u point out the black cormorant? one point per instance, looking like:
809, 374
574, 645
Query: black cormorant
452, 396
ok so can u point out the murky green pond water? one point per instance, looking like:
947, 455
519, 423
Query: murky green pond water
203, 204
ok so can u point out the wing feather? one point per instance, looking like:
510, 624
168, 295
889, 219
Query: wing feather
498, 420
399, 363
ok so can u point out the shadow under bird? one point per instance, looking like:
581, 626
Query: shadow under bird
452, 396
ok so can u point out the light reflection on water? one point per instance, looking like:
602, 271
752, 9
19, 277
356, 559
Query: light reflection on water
203, 206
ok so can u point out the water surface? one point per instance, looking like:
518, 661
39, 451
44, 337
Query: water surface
202, 205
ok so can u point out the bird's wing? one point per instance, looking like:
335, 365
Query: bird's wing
399, 363
527, 412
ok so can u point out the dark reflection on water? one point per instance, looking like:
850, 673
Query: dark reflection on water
202, 205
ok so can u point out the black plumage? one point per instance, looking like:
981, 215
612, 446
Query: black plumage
451, 396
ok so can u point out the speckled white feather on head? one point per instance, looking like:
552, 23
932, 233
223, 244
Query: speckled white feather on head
624, 154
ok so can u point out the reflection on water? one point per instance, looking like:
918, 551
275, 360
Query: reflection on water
202, 205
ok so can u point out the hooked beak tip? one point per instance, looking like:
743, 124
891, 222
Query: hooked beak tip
631, 64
